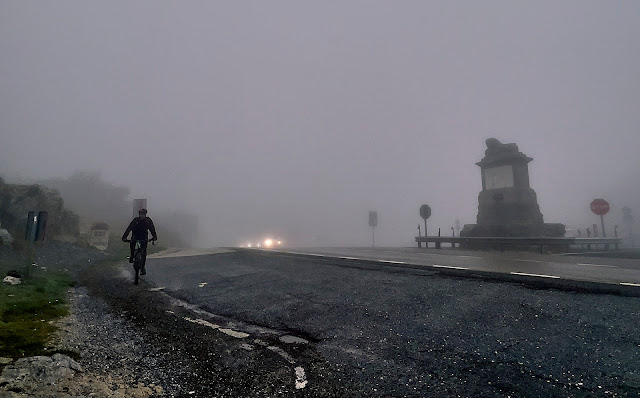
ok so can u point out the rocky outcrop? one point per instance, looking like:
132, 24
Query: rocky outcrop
17, 200
5, 236
28, 375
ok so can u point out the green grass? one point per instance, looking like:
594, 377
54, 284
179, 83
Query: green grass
26, 311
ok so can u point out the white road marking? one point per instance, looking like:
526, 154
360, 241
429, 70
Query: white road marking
538, 275
156, 289
598, 265
310, 254
630, 284
305, 254
293, 340
447, 266
233, 333
468, 256
246, 347
202, 322
202, 284
283, 354
349, 258
229, 332
391, 262
529, 261
301, 379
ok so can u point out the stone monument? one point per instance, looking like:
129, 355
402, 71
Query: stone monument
507, 206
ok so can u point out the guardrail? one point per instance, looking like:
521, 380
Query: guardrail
501, 242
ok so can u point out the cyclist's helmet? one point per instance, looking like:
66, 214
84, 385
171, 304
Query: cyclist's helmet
142, 211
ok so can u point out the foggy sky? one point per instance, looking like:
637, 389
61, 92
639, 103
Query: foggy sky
297, 118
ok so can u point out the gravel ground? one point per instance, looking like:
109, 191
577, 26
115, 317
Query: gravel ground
111, 351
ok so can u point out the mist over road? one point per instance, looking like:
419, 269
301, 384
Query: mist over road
388, 331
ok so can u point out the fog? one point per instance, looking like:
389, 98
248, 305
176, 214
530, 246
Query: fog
296, 118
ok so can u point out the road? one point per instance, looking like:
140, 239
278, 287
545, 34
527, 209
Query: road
370, 328
617, 271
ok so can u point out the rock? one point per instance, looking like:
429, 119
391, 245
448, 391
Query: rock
28, 375
5, 237
10, 280
5, 361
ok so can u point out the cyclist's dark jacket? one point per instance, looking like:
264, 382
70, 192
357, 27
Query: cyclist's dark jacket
138, 228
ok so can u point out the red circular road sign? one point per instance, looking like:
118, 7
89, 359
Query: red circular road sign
600, 207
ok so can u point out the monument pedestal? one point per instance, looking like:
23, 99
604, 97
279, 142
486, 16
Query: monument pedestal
507, 206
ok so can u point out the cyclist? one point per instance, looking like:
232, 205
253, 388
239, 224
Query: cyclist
138, 228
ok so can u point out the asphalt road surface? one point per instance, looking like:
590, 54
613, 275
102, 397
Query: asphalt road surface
345, 327
609, 270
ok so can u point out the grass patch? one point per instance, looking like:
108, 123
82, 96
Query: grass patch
26, 311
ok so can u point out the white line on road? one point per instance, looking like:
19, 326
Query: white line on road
447, 266
228, 332
309, 254
305, 254
233, 333
350, 258
598, 265
301, 379
538, 275
468, 256
202, 322
391, 262
283, 354
630, 284
529, 261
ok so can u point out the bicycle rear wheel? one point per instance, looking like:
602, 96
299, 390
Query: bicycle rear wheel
138, 259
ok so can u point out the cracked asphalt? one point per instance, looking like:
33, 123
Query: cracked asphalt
376, 330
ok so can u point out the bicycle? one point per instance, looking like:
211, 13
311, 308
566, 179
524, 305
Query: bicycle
139, 256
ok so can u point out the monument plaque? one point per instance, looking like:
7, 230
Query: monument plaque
507, 206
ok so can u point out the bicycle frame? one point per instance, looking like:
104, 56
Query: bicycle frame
138, 256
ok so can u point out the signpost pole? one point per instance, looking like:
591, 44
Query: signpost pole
425, 212
373, 222
600, 207
373, 236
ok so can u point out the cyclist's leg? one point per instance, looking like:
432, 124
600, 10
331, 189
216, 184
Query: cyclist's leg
132, 246
144, 257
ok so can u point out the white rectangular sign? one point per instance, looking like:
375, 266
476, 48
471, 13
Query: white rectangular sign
498, 177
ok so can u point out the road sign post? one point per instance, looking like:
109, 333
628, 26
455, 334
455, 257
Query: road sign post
600, 207
373, 222
425, 212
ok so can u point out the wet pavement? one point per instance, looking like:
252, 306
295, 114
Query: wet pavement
577, 268
376, 329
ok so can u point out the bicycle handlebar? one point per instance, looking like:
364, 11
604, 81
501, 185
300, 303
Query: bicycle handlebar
153, 241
